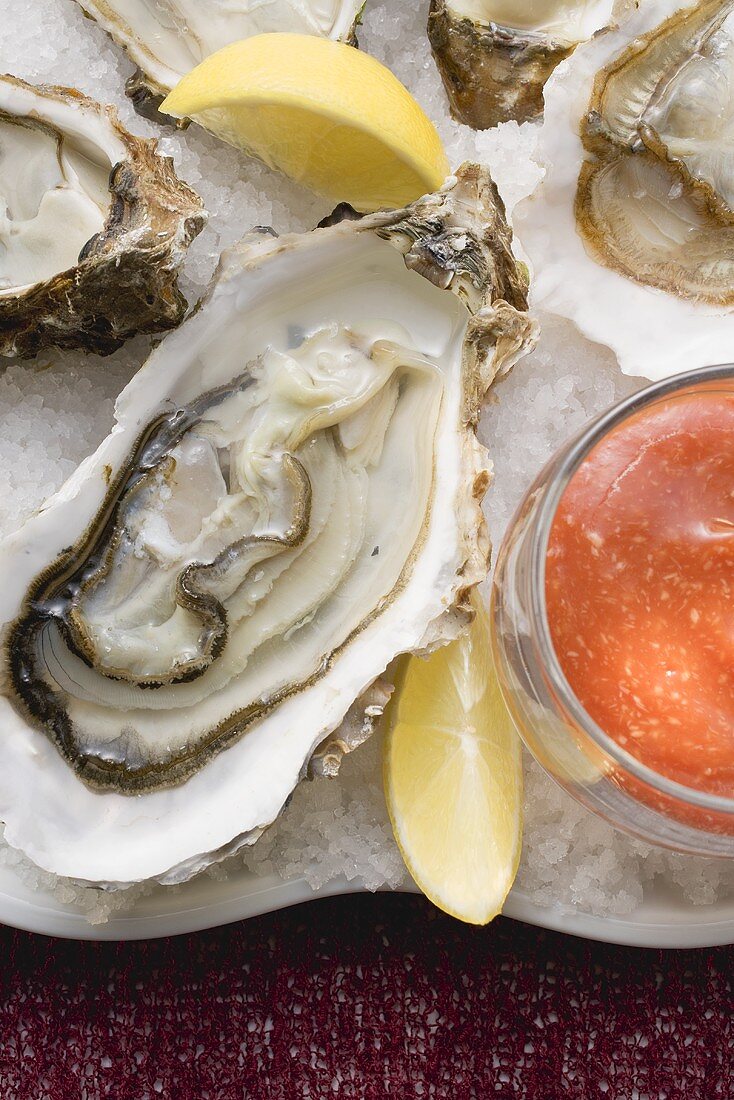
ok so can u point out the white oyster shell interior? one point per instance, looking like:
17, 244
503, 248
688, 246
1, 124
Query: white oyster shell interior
668, 219
566, 21
168, 38
289, 500
55, 163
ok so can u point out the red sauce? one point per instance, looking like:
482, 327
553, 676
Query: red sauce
640, 587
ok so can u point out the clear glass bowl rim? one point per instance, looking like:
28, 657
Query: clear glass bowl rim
565, 467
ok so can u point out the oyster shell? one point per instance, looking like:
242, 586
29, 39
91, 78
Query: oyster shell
167, 38
495, 56
634, 218
93, 225
290, 499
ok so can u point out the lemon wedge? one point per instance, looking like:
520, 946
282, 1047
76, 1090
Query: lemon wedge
453, 777
324, 113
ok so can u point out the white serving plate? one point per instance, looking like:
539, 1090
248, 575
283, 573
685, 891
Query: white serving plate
662, 921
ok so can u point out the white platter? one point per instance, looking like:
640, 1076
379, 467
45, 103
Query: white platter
85, 53
662, 921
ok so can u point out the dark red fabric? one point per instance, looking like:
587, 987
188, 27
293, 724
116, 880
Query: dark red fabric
363, 997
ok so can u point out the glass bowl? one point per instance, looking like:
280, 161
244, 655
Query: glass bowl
562, 736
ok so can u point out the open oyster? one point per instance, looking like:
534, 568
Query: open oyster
168, 38
631, 232
290, 499
495, 56
93, 225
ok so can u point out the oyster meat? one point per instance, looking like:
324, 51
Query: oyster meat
290, 499
168, 38
93, 225
495, 56
635, 216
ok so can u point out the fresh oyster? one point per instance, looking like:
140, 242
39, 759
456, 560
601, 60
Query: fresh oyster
631, 232
290, 499
93, 225
495, 56
168, 38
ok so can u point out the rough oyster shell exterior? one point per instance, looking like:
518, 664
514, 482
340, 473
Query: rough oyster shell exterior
494, 73
125, 281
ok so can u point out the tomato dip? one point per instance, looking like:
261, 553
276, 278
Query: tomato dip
640, 586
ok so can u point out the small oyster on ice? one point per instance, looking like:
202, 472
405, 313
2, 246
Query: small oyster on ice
168, 38
295, 500
93, 225
495, 56
631, 232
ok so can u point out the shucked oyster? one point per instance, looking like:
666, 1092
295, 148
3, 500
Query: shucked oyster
93, 225
495, 56
168, 38
631, 232
290, 499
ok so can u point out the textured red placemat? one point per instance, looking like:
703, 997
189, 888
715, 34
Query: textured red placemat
363, 997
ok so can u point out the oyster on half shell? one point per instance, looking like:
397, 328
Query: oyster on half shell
634, 218
290, 499
495, 56
168, 38
93, 225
